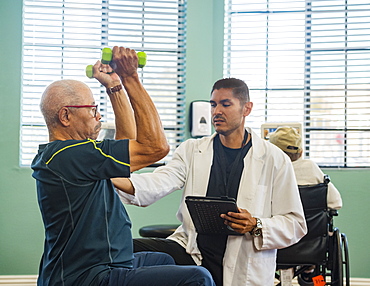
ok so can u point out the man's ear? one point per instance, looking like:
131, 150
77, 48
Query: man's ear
248, 108
64, 116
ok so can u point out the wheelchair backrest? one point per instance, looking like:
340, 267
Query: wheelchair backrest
312, 248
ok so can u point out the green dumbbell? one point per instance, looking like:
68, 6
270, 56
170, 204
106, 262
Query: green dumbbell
107, 58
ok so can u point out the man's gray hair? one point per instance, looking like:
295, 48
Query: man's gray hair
58, 94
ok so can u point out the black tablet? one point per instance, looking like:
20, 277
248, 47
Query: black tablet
205, 213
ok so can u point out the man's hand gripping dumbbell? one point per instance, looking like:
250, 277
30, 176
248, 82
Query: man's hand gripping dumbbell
107, 58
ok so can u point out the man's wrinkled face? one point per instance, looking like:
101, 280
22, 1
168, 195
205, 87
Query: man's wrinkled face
87, 118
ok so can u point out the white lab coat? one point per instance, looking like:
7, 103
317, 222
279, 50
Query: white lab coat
268, 190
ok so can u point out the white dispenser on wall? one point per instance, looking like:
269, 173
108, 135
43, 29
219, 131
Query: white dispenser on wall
200, 118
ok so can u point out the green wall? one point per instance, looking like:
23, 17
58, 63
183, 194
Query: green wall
21, 230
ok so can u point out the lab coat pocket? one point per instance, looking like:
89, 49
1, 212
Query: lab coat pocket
260, 203
261, 270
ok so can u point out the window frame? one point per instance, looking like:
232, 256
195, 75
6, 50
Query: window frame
343, 36
157, 27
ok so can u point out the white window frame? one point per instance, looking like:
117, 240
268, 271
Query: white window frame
306, 61
62, 37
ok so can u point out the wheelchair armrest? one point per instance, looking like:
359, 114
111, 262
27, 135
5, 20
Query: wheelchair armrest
332, 214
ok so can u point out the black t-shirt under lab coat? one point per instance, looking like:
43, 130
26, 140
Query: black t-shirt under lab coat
224, 179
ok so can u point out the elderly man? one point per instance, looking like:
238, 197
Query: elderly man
237, 163
87, 230
307, 172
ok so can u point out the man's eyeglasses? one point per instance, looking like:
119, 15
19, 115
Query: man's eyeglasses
94, 108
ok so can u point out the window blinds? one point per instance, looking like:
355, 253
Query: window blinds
62, 37
307, 62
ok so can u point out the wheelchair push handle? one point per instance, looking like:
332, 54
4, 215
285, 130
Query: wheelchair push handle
107, 58
326, 179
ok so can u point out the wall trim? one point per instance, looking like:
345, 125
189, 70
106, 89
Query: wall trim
18, 280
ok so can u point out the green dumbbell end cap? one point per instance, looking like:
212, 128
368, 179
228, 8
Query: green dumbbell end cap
106, 56
89, 71
142, 59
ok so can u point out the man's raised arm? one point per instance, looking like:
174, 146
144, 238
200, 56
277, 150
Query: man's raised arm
150, 144
123, 113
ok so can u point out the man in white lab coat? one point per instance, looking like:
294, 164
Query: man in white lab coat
233, 162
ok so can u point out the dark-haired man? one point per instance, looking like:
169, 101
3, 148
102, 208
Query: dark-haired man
233, 162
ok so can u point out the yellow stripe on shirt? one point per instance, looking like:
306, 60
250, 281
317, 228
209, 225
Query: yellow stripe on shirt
86, 142
108, 156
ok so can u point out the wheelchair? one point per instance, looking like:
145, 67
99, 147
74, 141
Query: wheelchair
324, 246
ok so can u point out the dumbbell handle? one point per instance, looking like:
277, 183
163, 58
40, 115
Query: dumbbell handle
107, 58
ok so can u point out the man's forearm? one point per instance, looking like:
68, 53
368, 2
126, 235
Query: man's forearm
149, 128
124, 184
124, 118
124, 115
150, 144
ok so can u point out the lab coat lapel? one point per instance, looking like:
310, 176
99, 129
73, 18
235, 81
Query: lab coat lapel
253, 165
203, 157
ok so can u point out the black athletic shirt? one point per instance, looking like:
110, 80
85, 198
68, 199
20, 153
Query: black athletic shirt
87, 229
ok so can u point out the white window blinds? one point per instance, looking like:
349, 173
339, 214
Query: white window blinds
307, 62
62, 37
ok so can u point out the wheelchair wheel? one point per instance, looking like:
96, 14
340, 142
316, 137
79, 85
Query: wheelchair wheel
337, 260
346, 257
